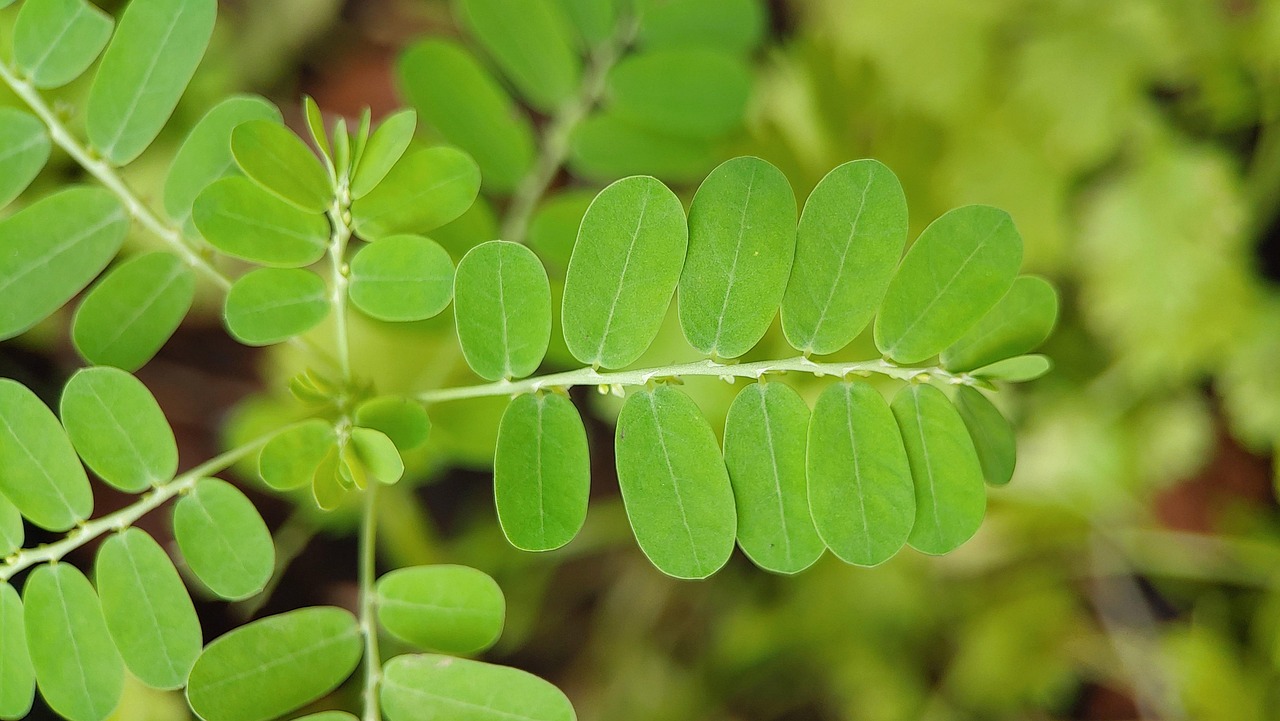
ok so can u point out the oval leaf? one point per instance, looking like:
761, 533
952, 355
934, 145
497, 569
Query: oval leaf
624, 269
55, 41
860, 488
242, 220
1022, 320
605, 146
147, 609
957, 270
404, 421
674, 485
992, 435
764, 452
42, 475
131, 313
290, 460
25, 149
224, 540
424, 190
453, 609
502, 308
402, 278
426, 687
541, 472
850, 238
12, 531
690, 92
52, 249
276, 159
950, 497
146, 68
1018, 369
77, 667
731, 25
18, 682
742, 238
529, 41
385, 148
274, 665
118, 429
271, 305
377, 454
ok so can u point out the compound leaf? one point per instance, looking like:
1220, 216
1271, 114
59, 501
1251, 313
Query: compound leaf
1018, 369
224, 540
460, 99
731, 25
278, 161
24, 149
128, 316
274, 665
147, 609
11, 529
950, 497
1022, 319
377, 454
290, 460
402, 278
42, 475
18, 682
426, 687
742, 238
623, 271
764, 452
144, 72
78, 670
242, 220
452, 609
502, 307
690, 92
405, 422
424, 190
388, 144
850, 238
270, 305
860, 488
529, 40
55, 41
51, 249
992, 434
957, 270
205, 155
674, 484
541, 472
118, 429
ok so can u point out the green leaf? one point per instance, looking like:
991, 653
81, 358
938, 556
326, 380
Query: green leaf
290, 460
272, 305
18, 682
424, 190
224, 540
315, 128
594, 20
957, 270
553, 229
42, 475
1022, 320
51, 249
529, 40
278, 161
242, 220
133, 310
205, 155
55, 41
541, 472
146, 68
327, 486
328, 716
452, 609
692, 92
1018, 369
950, 497
992, 435
378, 454
502, 308
850, 238
764, 452
147, 609
459, 98
388, 144
118, 429
11, 529
674, 484
274, 665
730, 25
425, 687
341, 147
605, 147
26, 147
742, 237
860, 488
77, 667
623, 272
404, 421
402, 278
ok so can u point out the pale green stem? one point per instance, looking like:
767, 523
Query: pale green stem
368, 611
728, 371
126, 516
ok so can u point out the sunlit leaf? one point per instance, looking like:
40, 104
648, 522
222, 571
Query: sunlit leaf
424, 190
426, 687
24, 149
328, 716
11, 529
529, 40
404, 421
315, 128
694, 92
223, 539
541, 472
241, 219
623, 272
594, 20
731, 25
18, 682
453, 609
402, 278
118, 429
55, 41
280, 162
993, 436
290, 459
274, 665
128, 316
1022, 319
1018, 369
273, 304
553, 229
378, 454
42, 475
388, 144
605, 147
502, 307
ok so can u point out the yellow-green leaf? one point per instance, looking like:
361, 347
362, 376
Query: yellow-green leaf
271, 305
128, 316
24, 149
118, 429
502, 307
402, 278
424, 190
42, 475
276, 159
18, 682
225, 542
425, 687
452, 609
55, 41
1022, 319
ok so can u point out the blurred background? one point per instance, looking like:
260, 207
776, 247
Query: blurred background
1131, 570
